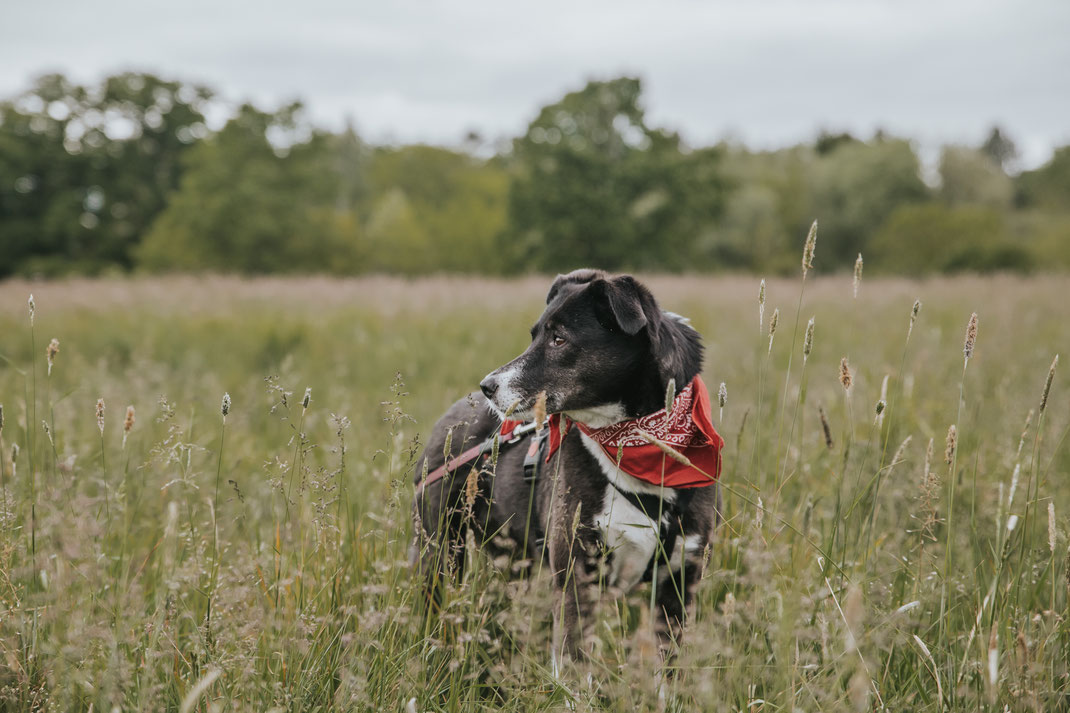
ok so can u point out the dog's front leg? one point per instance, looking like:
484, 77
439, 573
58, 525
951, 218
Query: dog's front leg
676, 590
573, 559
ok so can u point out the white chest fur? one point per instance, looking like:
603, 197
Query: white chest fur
630, 534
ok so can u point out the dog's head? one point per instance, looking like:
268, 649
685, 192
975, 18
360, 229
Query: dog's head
602, 344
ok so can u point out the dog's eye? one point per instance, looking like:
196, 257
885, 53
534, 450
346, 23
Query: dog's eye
556, 340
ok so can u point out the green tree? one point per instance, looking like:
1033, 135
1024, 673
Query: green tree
1048, 187
85, 170
257, 197
856, 187
971, 176
596, 185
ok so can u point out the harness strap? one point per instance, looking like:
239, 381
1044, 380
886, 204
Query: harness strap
474, 452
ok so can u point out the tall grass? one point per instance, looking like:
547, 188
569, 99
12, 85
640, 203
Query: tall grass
259, 561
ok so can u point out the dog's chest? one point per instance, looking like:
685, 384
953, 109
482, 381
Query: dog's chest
630, 533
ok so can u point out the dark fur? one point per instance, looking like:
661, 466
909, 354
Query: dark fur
619, 347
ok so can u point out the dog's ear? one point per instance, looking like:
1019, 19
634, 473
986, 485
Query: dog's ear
576, 277
631, 305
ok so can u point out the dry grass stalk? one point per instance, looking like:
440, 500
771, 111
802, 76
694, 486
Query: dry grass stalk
670, 395
1047, 383
666, 449
1051, 526
50, 353
825, 427
128, 423
952, 440
100, 415
913, 316
772, 326
540, 411
858, 274
722, 394
971, 337
898, 456
1025, 431
761, 304
808, 342
845, 374
32, 307
808, 250
1, 418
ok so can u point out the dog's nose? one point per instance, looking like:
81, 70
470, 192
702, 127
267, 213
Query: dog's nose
489, 387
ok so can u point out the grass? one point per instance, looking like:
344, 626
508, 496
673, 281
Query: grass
265, 566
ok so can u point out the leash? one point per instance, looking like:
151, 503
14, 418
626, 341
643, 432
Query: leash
481, 450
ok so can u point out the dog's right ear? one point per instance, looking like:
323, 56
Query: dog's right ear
576, 277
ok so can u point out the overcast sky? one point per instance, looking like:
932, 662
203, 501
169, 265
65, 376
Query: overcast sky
767, 72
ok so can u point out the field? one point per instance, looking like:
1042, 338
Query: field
258, 561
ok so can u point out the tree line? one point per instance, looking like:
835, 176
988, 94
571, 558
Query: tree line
126, 175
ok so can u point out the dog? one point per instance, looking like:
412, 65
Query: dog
613, 370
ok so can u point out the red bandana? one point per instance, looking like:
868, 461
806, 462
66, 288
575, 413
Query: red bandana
687, 428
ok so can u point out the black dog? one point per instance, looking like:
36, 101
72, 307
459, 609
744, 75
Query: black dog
605, 356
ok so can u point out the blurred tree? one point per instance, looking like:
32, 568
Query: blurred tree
856, 187
435, 210
932, 237
1048, 187
1000, 148
84, 171
971, 176
595, 185
256, 197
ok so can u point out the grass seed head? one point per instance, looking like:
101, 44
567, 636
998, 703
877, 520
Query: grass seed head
952, 441
1051, 526
224, 407
808, 342
128, 422
971, 337
845, 374
808, 250
879, 409
898, 457
852, 615
307, 398
1047, 383
772, 326
825, 427
1, 418
670, 395
913, 316
100, 415
32, 306
540, 410
722, 394
50, 353
858, 274
666, 449
761, 304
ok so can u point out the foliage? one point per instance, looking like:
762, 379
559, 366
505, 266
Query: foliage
125, 174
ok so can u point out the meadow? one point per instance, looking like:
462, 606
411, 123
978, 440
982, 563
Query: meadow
180, 558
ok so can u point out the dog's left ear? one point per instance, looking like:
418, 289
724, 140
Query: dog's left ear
631, 304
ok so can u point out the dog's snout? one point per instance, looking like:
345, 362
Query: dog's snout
489, 387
